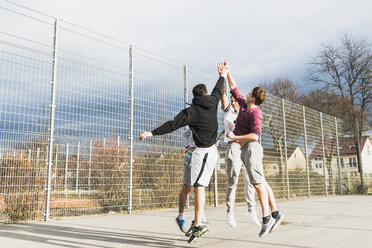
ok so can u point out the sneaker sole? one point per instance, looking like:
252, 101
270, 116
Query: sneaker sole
263, 235
192, 239
230, 225
275, 226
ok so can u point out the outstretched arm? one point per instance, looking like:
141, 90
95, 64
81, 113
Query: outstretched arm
234, 89
182, 119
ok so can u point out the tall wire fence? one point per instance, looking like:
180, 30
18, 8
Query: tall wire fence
73, 103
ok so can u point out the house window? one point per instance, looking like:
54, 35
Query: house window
342, 163
295, 156
318, 163
274, 166
354, 174
352, 162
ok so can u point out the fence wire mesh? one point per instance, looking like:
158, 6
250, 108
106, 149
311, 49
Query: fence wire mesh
97, 164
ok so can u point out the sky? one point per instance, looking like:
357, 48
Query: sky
261, 40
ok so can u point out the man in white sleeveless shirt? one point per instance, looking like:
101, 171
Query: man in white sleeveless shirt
234, 165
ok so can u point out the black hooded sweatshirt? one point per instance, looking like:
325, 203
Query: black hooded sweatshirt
201, 117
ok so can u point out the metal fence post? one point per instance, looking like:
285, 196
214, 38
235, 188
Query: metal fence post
130, 127
285, 148
324, 157
66, 166
51, 122
77, 167
118, 147
56, 168
66, 175
90, 163
185, 95
338, 156
359, 158
306, 155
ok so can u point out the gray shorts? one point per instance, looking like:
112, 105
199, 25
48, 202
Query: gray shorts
252, 154
187, 168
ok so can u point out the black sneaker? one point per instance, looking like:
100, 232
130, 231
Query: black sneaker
197, 232
265, 229
189, 232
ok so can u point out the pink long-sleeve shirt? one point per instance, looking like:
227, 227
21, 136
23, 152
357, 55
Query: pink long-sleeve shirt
248, 120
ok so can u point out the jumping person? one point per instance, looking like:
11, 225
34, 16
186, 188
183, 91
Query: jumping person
189, 144
247, 132
234, 165
201, 117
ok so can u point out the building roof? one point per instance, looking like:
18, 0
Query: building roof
346, 144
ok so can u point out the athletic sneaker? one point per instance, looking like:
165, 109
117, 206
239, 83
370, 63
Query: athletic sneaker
252, 216
231, 219
278, 221
197, 232
181, 224
189, 232
266, 227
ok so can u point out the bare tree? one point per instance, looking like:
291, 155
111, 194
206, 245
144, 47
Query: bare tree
345, 68
283, 87
332, 104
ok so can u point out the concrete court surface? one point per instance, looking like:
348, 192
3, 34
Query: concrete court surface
336, 221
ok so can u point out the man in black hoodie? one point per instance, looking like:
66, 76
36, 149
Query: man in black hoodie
201, 117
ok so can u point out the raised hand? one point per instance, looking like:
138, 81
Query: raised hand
223, 69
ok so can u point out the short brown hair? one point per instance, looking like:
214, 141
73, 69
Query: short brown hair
259, 94
199, 90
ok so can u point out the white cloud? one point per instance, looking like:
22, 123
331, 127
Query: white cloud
260, 38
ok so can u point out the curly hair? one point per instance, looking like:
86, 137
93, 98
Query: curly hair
259, 94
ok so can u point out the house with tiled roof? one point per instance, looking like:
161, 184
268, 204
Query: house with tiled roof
271, 159
348, 155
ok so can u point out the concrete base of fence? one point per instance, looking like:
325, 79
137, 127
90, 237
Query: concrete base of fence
341, 221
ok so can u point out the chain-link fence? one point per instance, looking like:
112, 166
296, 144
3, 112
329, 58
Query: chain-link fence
73, 103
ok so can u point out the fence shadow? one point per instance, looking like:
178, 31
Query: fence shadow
74, 237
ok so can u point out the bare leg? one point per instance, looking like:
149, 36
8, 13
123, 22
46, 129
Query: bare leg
264, 198
199, 204
183, 198
271, 197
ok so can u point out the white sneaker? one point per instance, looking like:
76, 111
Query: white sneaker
252, 216
231, 219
